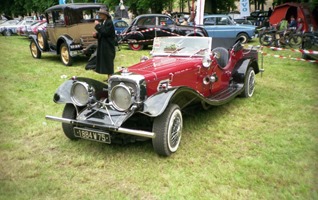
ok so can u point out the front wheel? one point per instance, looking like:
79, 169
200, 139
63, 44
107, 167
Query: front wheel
35, 51
249, 83
8, 33
168, 129
66, 58
136, 47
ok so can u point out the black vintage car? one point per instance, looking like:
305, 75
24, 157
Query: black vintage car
146, 27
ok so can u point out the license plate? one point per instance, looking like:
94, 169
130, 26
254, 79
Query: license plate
92, 135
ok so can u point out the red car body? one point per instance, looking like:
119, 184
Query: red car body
146, 100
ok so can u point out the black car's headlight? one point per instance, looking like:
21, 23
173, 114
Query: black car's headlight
121, 97
81, 93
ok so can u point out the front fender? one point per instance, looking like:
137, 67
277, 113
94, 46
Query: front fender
63, 93
34, 38
63, 39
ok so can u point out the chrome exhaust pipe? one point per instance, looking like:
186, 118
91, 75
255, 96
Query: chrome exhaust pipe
139, 133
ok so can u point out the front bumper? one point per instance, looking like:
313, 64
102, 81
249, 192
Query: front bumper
139, 133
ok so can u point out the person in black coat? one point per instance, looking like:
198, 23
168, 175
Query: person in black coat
106, 43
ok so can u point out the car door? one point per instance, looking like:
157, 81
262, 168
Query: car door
144, 28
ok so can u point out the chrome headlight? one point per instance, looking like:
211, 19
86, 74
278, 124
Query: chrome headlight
81, 93
121, 97
206, 61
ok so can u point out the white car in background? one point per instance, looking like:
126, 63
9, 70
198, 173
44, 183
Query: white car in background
10, 27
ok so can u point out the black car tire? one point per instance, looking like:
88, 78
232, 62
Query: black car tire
69, 112
35, 51
168, 130
249, 83
244, 37
66, 58
7, 32
42, 40
136, 47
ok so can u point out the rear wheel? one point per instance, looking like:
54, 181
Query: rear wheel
244, 37
42, 40
136, 47
69, 112
65, 55
249, 83
35, 51
168, 129
295, 41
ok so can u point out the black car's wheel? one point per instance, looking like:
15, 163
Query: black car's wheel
8, 32
266, 39
65, 55
249, 83
42, 40
244, 37
69, 112
168, 129
35, 51
136, 47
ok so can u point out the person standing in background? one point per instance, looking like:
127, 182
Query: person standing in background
106, 43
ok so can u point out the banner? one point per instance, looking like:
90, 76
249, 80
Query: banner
245, 8
199, 12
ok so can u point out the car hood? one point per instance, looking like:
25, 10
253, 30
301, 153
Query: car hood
160, 67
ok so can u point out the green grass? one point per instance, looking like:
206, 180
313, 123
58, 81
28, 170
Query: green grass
264, 147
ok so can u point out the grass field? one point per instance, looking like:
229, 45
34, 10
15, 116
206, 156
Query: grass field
265, 147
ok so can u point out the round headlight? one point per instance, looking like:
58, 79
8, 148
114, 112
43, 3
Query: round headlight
206, 61
121, 97
80, 93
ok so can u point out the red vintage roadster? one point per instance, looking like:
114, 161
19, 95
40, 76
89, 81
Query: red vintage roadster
146, 100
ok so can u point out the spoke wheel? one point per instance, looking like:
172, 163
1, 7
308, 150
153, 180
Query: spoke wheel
136, 47
65, 55
35, 52
168, 129
295, 41
266, 39
249, 83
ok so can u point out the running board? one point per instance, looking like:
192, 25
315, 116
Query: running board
226, 95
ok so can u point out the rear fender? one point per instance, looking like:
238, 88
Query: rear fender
241, 69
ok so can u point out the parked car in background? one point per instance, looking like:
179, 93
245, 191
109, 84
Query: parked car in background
145, 28
69, 31
25, 30
222, 27
120, 25
12, 29
41, 26
7, 25
147, 100
310, 45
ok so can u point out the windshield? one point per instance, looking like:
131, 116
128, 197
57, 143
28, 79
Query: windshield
181, 46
